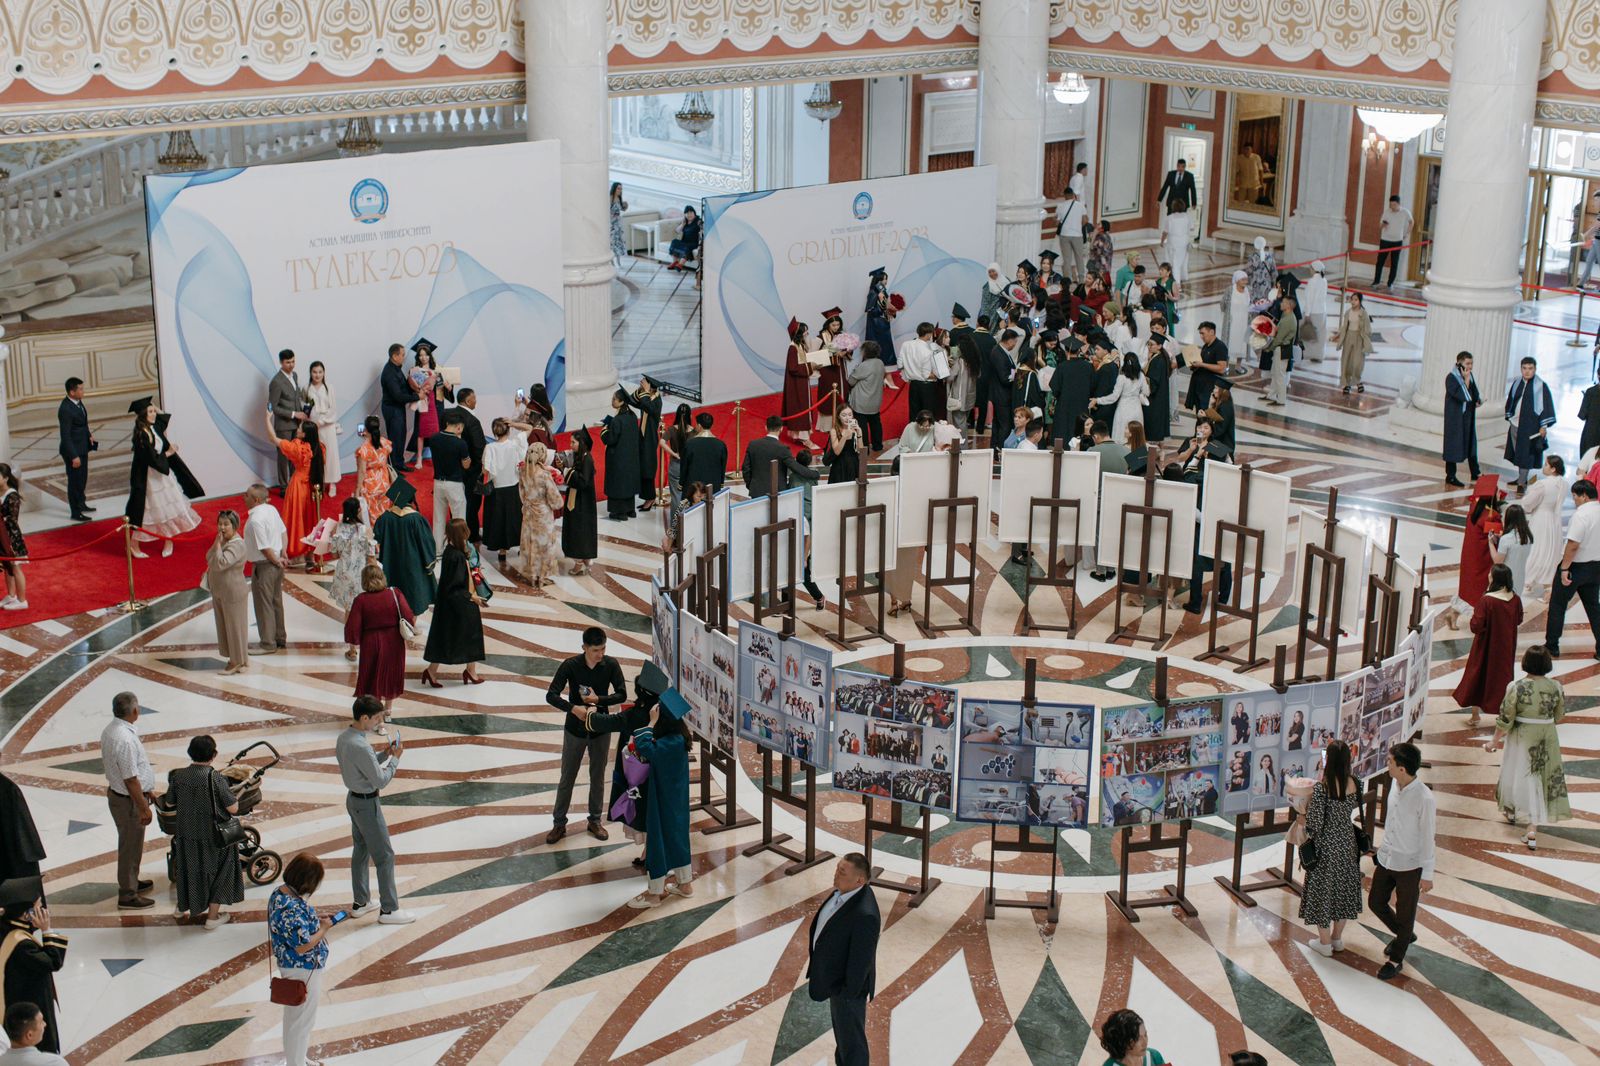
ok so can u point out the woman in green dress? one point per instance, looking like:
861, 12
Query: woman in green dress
1533, 785
1126, 1042
405, 547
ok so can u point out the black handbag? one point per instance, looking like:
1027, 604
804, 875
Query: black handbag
1363, 839
229, 830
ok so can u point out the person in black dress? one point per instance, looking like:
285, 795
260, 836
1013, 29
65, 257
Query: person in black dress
455, 638
647, 398
1589, 414
844, 442
620, 434
580, 528
21, 850
1158, 372
206, 872
31, 965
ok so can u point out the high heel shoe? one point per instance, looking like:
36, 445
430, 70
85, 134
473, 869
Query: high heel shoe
428, 680
468, 679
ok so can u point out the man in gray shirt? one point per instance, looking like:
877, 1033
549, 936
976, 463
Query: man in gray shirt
365, 776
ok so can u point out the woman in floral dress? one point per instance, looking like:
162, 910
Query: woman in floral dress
374, 475
353, 548
1333, 887
541, 499
1533, 783
618, 205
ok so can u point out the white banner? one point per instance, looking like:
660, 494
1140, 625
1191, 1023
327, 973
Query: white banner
336, 260
797, 252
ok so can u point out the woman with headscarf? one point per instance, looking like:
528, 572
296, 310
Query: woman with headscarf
1313, 304
541, 499
1542, 504
1262, 269
620, 435
796, 407
879, 314
230, 593
992, 295
1236, 317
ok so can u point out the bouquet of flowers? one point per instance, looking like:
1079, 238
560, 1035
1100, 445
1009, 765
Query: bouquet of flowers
845, 343
1261, 330
897, 303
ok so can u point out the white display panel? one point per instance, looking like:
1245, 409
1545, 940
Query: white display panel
1024, 475
1121, 490
744, 518
1269, 512
925, 476
1350, 544
827, 503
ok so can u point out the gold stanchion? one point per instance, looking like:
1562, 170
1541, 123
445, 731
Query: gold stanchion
737, 473
133, 602
313, 564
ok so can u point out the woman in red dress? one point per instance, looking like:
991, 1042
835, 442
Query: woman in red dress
305, 455
1483, 524
797, 386
373, 625
1493, 657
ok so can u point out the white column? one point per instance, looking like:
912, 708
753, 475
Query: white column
1013, 44
1318, 228
565, 43
5, 403
1472, 285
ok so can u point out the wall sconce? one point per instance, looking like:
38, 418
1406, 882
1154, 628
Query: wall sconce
1373, 145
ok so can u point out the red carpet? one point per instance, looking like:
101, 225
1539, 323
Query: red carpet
84, 567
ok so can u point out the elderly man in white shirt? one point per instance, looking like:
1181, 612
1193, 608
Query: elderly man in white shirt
265, 542
1404, 865
130, 788
925, 366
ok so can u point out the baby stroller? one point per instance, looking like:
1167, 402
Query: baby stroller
261, 865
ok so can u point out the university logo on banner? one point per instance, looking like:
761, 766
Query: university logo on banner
862, 207
369, 201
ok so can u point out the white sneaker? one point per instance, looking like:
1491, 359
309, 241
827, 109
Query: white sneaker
365, 909
219, 921
1338, 944
396, 918
1325, 950
15, 605
9, 599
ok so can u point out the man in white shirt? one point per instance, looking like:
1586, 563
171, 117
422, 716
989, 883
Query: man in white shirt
1079, 180
25, 1027
925, 366
1070, 217
265, 541
1404, 866
1394, 229
1578, 574
844, 955
130, 789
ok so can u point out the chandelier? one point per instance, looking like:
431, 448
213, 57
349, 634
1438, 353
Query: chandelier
1397, 127
180, 153
822, 106
695, 115
1070, 88
358, 138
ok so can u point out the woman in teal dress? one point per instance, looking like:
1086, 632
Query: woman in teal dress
1126, 1042
405, 547
1533, 785
664, 744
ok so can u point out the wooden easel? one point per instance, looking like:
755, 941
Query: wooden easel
950, 505
1023, 843
1243, 534
894, 825
1325, 632
1381, 621
1061, 567
1157, 840
1278, 877
1146, 514
768, 548
861, 515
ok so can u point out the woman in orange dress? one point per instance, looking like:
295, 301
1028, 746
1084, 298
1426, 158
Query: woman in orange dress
374, 475
304, 453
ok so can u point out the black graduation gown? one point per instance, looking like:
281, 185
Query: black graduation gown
1105, 378
1461, 419
146, 459
21, 850
621, 439
1589, 412
30, 978
455, 638
580, 526
649, 442
1524, 447
1222, 430
1071, 385
1158, 412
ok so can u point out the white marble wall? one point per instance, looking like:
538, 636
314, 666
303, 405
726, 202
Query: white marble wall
1013, 46
1318, 227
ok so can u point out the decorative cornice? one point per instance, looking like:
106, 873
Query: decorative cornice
1558, 112
809, 68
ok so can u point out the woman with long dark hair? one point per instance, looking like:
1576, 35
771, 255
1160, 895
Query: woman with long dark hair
304, 453
1333, 886
455, 636
1492, 660
674, 441
580, 528
1533, 784
1514, 546
618, 205
324, 414
159, 483
374, 474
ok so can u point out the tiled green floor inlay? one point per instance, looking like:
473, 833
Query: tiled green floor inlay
515, 870
1050, 1026
1280, 1021
635, 943
804, 1020
187, 1039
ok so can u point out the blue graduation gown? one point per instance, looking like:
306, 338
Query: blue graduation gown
667, 795
1524, 447
878, 322
1460, 419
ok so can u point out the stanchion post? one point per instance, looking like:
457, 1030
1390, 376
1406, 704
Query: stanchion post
133, 602
1577, 340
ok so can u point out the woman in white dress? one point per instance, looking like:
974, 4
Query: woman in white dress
1542, 504
319, 394
1132, 392
1175, 237
1236, 318
160, 485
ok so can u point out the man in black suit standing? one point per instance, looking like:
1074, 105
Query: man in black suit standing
705, 458
758, 456
1179, 183
844, 952
466, 400
76, 443
397, 395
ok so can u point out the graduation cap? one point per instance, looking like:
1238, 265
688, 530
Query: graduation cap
1049, 335
876, 271
18, 890
401, 493
1048, 254
793, 327
1486, 487
137, 407
832, 312
1215, 449
1073, 344
423, 342
652, 679
1027, 264
957, 311
673, 703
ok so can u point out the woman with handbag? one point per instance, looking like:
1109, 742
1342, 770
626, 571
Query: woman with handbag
664, 743
299, 941
629, 803
1533, 784
455, 637
379, 625
1331, 854
230, 593
205, 852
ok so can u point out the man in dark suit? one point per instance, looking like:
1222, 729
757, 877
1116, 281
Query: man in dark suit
72, 418
844, 950
466, 400
758, 456
705, 458
288, 409
1179, 183
397, 395
1071, 385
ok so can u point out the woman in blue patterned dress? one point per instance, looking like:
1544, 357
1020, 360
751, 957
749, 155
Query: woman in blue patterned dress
300, 948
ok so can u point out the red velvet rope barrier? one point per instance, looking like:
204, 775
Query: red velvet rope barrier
832, 392
61, 554
1350, 253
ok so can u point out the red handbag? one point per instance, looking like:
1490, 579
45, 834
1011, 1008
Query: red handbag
286, 991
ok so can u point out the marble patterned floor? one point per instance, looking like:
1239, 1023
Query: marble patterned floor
527, 954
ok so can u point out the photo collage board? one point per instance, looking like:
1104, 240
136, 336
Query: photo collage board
897, 742
707, 670
1271, 738
1383, 704
1025, 766
785, 692
664, 629
1160, 765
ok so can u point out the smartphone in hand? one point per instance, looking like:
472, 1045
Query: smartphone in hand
338, 916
